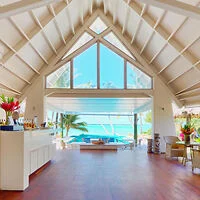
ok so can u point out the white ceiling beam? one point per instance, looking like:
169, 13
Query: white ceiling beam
52, 11
37, 21
16, 75
26, 37
153, 32
176, 7
126, 18
61, 52
6, 90
22, 43
147, 68
70, 21
82, 12
14, 52
23, 6
115, 7
91, 6
189, 92
187, 88
105, 6
101, 93
175, 44
168, 40
10, 88
141, 13
190, 97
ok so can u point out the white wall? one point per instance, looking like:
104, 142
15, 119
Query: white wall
35, 102
163, 121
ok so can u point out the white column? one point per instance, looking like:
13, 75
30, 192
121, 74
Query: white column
163, 121
35, 101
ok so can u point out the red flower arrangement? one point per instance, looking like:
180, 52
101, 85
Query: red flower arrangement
187, 129
9, 105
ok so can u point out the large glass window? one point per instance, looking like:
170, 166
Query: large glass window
81, 41
85, 69
98, 26
60, 78
112, 39
111, 69
137, 79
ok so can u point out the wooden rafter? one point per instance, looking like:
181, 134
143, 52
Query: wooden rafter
187, 88
126, 40
153, 31
143, 93
169, 38
23, 6
105, 6
52, 11
82, 12
146, 18
23, 42
61, 51
26, 37
115, 6
187, 55
14, 52
91, 6
10, 88
176, 6
70, 20
126, 17
16, 75
37, 21
141, 13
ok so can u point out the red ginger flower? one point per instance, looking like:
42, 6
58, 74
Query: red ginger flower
8, 104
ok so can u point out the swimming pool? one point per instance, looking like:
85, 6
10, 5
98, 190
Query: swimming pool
80, 138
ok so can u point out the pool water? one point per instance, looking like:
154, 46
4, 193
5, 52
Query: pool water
80, 138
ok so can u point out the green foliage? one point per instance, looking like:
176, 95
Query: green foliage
6, 99
148, 132
109, 84
63, 81
70, 121
148, 117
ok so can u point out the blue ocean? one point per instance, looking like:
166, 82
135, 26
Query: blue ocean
107, 129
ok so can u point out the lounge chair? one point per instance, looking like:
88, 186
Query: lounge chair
173, 149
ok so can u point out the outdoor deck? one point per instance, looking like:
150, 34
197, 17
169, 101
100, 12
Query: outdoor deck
111, 175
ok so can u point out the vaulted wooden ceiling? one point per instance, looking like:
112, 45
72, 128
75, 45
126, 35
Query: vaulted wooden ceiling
164, 33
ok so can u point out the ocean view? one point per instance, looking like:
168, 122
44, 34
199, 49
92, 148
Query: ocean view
106, 129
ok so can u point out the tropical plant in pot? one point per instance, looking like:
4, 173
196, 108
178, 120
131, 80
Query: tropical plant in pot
187, 130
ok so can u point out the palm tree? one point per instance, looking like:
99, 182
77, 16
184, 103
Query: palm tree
69, 121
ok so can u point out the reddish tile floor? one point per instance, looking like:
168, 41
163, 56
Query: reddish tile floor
110, 175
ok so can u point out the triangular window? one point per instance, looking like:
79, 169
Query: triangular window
98, 26
59, 78
111, 38
137, 79
81, 41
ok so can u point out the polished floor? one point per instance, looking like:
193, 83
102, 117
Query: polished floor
110, 175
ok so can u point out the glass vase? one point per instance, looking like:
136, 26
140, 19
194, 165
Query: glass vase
8, 115
187, 138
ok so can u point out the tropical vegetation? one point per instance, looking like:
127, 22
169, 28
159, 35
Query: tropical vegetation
71, 122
